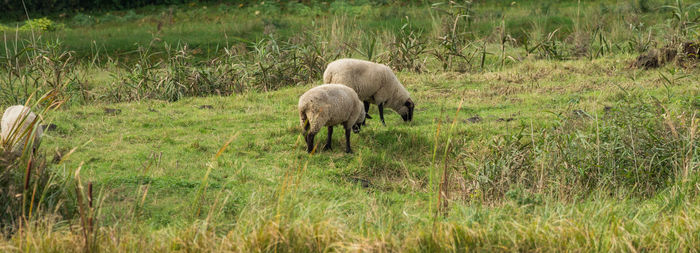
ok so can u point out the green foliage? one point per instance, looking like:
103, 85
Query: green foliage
42, 24
4, 28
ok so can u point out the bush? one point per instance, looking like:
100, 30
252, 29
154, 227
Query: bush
43, 24
4, 28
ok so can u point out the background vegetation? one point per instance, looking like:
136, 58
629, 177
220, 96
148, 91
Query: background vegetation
540, 126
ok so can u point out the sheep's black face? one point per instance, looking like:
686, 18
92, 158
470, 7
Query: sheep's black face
408, 116
356, 128
360, 122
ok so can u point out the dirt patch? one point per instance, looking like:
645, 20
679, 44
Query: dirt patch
475, 119
362, 182
49, 127
654, 58
505, 119
692, 50
112, 111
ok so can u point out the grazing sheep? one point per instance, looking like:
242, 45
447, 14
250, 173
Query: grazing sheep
15, 123
374, 83
330, 105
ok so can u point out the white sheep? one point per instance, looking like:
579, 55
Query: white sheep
16, 125
374, 83
330, 105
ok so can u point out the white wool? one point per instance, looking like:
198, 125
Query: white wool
330, 105
15, 122
373, 82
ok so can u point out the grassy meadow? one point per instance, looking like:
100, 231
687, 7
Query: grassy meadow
562, 126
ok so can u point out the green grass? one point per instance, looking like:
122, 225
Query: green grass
168, 147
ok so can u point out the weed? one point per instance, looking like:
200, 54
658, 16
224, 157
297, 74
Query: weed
406, 49
452, 39
684, 17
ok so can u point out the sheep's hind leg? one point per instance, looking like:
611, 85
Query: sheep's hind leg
328, 141
367, 110
310, 142
347, 140
381, 112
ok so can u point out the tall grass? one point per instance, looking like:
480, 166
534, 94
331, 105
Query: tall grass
636, 148
31, 185
37, 67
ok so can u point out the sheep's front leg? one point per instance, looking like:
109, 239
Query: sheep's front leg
347, 140
367, 110
381, 112
310, 141
328, 141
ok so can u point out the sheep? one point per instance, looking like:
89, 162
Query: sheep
330, 105
14, 131
374, 83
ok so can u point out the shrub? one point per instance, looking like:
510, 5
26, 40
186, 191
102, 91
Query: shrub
43, 24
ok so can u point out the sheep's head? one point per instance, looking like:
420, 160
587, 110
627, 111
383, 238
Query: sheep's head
360, 121
406, 111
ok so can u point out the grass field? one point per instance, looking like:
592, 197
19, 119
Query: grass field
557, 145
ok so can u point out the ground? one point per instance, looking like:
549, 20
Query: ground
156, 162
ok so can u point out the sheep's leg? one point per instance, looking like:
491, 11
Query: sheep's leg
367, 110
347, 140
381, 112
310, 141
328, 141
